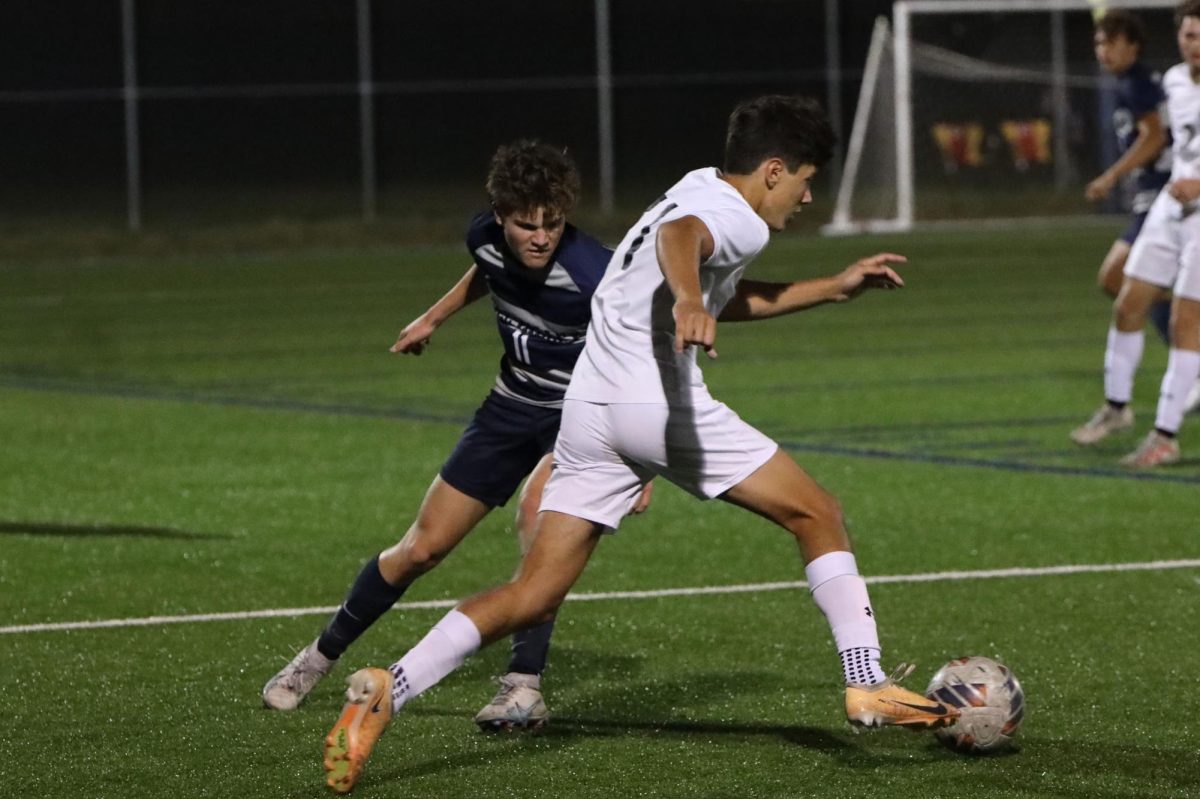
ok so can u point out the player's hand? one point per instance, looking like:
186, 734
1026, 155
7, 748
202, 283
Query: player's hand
694, 325
643, 500
414, 338
1185, 190
1099, 188
869, 273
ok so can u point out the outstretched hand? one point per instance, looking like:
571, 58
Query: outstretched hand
414, 338
869, 273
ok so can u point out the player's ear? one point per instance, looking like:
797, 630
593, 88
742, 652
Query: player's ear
499, 219
773, 169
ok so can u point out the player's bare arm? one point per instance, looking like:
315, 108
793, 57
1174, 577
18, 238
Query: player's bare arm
1150, 140
414, 338
759, 300
682, 245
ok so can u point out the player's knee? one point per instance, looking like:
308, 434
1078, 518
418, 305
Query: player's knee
818, 509
534, 603
1110, 278
418, 555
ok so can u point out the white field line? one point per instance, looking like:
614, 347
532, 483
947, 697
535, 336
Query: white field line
928, 577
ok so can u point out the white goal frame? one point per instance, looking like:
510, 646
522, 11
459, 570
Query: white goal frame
902, 13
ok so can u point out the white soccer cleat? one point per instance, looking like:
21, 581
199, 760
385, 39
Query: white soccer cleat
1192, 403
1155, 450
1104, 422
517, 705
288, 688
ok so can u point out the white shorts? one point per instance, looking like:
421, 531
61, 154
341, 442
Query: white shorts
1167, 251
606, 453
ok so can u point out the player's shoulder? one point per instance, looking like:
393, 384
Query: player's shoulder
1177, 77
579, 252
482, 229
1140, 78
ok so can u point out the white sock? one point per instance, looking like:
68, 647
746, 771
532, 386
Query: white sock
841, 594
1183, 366
451, 641
1121, 359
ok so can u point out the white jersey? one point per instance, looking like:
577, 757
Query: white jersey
630, 352
1183, 111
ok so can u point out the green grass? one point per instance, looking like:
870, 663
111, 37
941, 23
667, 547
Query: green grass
196, 435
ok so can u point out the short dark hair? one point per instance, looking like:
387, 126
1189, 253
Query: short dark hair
1120, 22
529, 174
794, 129
1188, 8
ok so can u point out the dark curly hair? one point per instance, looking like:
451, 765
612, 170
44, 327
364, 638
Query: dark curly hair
1188, 8
1120, 22
529, 174
794, 129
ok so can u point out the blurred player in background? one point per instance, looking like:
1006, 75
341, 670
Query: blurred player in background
541, 272
1165, 257
1141, 137
637, 407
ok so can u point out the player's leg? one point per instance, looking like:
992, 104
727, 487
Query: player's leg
1122, 354
1112, 268
445, 517
496, 451
1160, 446
557, 558
783, 492
1152, 265
590, 481
1112, 275
519, 702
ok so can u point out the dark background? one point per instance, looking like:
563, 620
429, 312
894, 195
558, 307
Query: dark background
250, 108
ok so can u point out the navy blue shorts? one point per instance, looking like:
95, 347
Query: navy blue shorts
503, 443
1135, 227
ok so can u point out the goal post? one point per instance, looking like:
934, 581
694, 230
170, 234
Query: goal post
984, 110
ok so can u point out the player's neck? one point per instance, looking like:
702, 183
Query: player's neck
751, 186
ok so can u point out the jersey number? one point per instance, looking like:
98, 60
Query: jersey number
521, 346
636, 244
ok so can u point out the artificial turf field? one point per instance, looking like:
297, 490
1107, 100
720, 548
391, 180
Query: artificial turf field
196, 436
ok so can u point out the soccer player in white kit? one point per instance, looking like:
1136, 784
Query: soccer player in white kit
637, 407
1166, 255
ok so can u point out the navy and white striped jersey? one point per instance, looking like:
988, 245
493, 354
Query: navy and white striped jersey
1139, 92
542, 314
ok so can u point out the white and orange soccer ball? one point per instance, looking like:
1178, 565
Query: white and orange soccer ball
989, 699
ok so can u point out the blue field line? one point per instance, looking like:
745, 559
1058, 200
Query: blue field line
987, 463
127, 391
346, 409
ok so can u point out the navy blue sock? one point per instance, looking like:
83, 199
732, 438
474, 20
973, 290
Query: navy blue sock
1160, 316
530, 648
370, 597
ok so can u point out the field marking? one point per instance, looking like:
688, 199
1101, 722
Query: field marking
928, 577
350, 410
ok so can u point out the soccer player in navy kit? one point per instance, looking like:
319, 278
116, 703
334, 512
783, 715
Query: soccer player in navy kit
1142, 138
540, 272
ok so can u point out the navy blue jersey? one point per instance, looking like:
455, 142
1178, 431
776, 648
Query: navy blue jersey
1139, 92
542, 314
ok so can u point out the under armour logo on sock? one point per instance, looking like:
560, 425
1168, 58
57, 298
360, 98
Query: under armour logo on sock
868, 611
399, 684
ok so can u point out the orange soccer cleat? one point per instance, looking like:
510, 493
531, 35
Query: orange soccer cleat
886, 704
365, 716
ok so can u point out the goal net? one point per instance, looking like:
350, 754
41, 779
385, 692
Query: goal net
986, 110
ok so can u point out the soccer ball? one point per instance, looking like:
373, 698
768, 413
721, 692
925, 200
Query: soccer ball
989, 698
